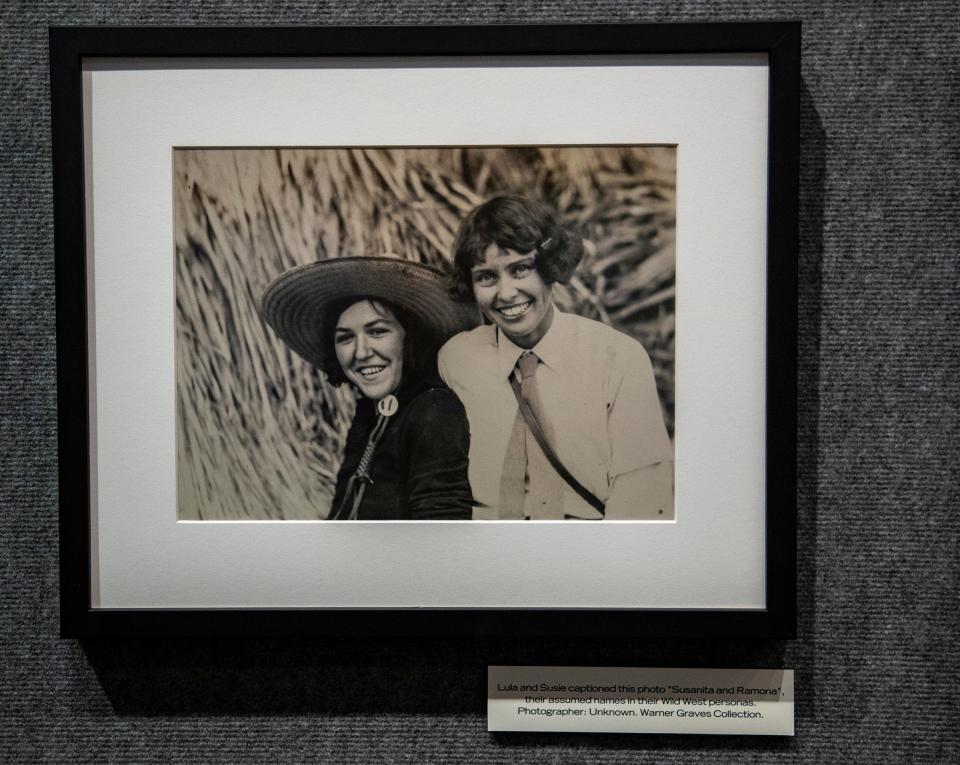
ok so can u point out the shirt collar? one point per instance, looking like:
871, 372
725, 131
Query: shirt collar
550, 349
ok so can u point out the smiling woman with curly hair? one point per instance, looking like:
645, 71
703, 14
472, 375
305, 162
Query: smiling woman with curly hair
564, 415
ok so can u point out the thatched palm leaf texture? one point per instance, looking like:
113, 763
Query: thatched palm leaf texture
260, 432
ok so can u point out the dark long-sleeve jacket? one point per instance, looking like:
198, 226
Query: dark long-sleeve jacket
419, 470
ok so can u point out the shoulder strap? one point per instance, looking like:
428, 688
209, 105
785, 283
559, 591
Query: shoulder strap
531, 419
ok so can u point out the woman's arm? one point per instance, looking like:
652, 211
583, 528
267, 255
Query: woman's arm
641, 471
644, 494
434, 450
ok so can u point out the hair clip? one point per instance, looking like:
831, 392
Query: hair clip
544, 243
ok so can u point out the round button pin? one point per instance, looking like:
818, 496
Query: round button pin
388, 405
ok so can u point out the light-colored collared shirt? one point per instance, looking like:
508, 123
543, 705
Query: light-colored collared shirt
598, 390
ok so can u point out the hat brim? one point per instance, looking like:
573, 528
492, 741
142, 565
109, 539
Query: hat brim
296, 304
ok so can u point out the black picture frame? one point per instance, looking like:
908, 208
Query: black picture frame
70, 47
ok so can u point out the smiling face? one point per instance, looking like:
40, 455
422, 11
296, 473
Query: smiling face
512, 294
369, 343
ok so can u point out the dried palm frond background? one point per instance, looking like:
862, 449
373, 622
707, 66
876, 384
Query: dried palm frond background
260, 432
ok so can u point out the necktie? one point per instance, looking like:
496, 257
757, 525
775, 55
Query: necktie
529, 486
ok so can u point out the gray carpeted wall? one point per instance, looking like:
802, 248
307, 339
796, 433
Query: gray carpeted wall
877, 655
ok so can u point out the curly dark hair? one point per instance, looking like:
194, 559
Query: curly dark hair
419, 346
515, 223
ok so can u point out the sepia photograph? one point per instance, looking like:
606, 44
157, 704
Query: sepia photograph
433, 334
347, 355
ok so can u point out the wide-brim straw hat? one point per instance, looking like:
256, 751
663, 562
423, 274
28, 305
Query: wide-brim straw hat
296, 304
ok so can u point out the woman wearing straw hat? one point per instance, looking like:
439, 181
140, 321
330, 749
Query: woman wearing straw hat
377, 323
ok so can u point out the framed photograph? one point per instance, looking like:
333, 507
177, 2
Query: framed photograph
427, 330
